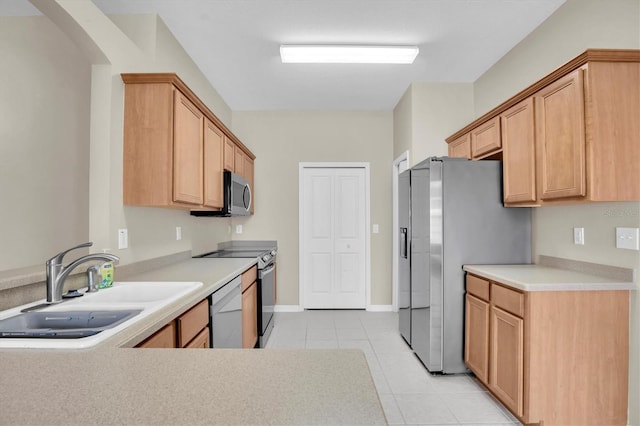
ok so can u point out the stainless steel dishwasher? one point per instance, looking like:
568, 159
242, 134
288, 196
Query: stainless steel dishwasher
226, 315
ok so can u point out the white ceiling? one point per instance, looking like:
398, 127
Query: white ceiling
236, 44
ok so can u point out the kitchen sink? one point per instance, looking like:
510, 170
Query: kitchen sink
62, 324
88, 320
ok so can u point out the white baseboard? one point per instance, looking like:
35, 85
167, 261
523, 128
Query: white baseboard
298, 308
288, 308
380, 308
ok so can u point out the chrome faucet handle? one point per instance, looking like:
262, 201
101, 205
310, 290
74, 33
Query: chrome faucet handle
92, 273
57, 259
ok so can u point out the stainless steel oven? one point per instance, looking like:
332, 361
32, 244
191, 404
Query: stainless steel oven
266, 300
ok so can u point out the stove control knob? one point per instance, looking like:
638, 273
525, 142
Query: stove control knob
265, 258
273, 252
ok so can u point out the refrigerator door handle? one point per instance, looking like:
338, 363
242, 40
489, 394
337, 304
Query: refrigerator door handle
403, 243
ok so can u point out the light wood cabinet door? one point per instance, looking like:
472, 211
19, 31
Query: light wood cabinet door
201, 341
519, 155
476, 337
187, 151
238, 164
485, 139
506, 360
192, 322
229, 155
213, 159
560, 138
461, 147
164, 338
250, 316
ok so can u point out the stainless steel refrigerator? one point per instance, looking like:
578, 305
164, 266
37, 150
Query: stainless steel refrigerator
451, 214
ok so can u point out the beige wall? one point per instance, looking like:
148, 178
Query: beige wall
427, 114
403, 125
44, 142
574, 27
439, 109
280, 141
62, 135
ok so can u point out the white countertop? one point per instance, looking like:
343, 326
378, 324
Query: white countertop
545, 278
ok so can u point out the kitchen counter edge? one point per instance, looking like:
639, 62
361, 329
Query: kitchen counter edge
535, 277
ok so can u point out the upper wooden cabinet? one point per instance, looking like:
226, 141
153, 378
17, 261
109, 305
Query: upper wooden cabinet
175, 148
213, 155
187, 151
560, 132
581, 121
485, 139
238, 161
461, 147
519, 165
229, 155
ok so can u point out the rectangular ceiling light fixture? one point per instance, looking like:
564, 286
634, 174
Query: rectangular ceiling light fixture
344, 54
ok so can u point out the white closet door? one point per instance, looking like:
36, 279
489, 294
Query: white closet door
334, 238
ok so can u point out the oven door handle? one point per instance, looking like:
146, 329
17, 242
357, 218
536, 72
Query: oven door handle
266, 271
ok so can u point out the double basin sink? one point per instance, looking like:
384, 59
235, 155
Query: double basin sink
85, 321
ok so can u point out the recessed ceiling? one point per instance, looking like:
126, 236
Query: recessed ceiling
236, 44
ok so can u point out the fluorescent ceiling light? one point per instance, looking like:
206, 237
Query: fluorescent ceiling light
342, 54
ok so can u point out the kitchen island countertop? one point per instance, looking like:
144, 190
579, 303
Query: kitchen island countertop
113, 383
187, 387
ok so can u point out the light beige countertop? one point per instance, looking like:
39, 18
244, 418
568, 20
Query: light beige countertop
112, 384
547, 278
187, 387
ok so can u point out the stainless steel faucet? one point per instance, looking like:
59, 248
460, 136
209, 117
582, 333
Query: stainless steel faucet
57, 273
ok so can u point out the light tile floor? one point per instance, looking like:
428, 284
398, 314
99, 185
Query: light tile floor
409, 393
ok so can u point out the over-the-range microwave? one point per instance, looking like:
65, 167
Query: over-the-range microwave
237, 197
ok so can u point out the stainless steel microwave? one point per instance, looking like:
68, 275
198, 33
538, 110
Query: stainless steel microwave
237, 197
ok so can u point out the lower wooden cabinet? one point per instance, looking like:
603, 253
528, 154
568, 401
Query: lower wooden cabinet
551, 357
476, 351
189, 330
165, 338
201, 341
506, 359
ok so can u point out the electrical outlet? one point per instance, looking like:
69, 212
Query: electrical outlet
178, 233
376, 228
123, 239
238, 229
628, 238
578, 236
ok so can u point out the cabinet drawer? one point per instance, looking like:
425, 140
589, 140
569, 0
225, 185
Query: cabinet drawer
201, 341
248, 277
507, 299
478, 287
164, 338
192, 322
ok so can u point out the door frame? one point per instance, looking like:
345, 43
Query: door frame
396, 235
367, 220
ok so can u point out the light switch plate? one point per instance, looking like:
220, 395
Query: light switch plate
578, 236
123, 239
376, 228
628, 238
178, 233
